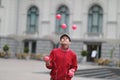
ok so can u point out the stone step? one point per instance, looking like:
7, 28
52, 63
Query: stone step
90, 71
98, 73
95, 73
107, 75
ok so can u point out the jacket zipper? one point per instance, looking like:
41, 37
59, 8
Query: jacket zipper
64, 65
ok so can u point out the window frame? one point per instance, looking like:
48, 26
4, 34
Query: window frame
64, 12
31, 14
91, 15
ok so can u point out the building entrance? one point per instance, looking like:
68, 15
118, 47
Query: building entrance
31, 44
90, 48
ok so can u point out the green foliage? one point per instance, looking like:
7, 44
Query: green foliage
5, 48
26, 50
84, 53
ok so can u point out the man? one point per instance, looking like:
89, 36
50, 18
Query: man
62, 61
94, 54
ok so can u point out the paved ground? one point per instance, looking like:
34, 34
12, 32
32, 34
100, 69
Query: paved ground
15, 69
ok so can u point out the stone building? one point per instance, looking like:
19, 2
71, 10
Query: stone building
33, 24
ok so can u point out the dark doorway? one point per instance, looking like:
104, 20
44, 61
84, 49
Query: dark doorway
33, 47
26, 44
90, 48
31, 44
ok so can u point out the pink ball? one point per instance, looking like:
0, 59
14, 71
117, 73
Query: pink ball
71, 73
63, 26
46, 58
74, 27
58, 16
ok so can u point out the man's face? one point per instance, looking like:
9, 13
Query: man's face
64, 40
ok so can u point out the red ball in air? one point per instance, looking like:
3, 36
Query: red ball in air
58, 16
63, 26
74, 27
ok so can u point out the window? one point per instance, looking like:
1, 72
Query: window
95, 19
63, 10
0, 2
32, 20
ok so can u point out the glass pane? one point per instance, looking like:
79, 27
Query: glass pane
94, 29
95, 19
96, 9
33, 9
67, 22
89, 23
63, 18
0, 2
32, 28
33, 19
100, 23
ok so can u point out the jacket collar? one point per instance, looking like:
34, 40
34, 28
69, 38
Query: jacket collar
64, 50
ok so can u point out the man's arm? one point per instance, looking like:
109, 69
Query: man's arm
75, 63
49, 64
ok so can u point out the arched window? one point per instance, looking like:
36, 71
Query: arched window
63, 10
32, 20
95, 19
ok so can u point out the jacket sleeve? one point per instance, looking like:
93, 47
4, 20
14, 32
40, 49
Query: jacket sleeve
50, 65
74, 63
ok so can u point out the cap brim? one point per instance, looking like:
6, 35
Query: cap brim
66, 36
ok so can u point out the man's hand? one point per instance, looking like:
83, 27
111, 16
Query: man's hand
71, 72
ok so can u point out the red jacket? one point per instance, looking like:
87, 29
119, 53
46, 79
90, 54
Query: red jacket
61, 62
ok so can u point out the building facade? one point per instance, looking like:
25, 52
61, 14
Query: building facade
33, 24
